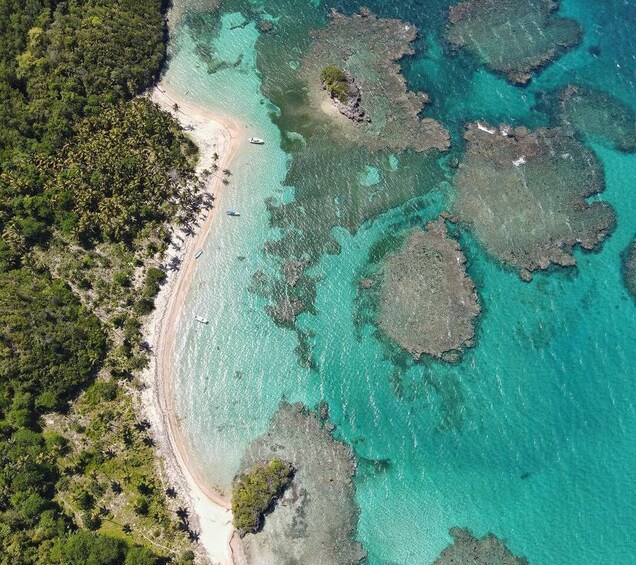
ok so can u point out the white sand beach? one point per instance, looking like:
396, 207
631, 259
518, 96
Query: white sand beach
212, 516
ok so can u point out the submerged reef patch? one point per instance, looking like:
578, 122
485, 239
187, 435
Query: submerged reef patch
428, 304
369, 48
467, 548
629, 268
512, 37
524, 194
315, 520
599, 117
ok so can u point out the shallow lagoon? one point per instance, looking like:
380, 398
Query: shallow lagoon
527, 437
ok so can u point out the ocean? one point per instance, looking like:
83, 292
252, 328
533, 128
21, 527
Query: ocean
530, 435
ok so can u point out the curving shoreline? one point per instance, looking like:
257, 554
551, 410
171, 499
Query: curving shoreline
213, 134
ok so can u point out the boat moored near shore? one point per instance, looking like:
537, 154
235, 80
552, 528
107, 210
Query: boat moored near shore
201, 319
231, 212
256, 141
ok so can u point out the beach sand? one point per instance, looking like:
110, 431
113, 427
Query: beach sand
211, 511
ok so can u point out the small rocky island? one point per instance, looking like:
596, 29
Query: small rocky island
344, 93
314, 521
428, 304
515, 37
256, 490
524, 193
467, 548
371, 92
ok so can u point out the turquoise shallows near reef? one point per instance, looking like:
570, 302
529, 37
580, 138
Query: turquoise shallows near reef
531, 435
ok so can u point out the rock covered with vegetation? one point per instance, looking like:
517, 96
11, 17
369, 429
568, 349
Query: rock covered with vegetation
255, 492
467, 548
512, 37
314, 522
524, 193
344, 93
428, 303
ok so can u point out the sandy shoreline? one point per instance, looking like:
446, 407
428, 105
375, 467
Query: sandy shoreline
212, 518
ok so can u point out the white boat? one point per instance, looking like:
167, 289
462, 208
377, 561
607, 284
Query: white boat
256, 141
198, 253
231, 212
201, 319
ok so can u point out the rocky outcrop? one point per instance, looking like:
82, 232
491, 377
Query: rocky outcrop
351, 106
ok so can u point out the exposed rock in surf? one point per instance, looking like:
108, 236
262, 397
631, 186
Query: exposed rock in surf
285, 311
315, 520
428, 304
512, 37
599, 117
467, 548
369, 48
629, 268
533, 214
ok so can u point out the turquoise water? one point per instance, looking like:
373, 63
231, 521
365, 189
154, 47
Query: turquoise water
530, 436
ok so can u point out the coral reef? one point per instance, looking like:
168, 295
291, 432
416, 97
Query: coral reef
467, 548
428, 304
286, 310
512, 37
524, 194
315, 520
629, 268
369, 48
599, 117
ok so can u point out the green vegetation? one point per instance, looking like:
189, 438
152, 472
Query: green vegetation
49, 344
90, 175
255, 491
336, 82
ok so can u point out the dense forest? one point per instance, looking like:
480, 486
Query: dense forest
90, 175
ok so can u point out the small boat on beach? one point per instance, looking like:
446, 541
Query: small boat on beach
231, 212
198, 253
201, 319
256, 141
